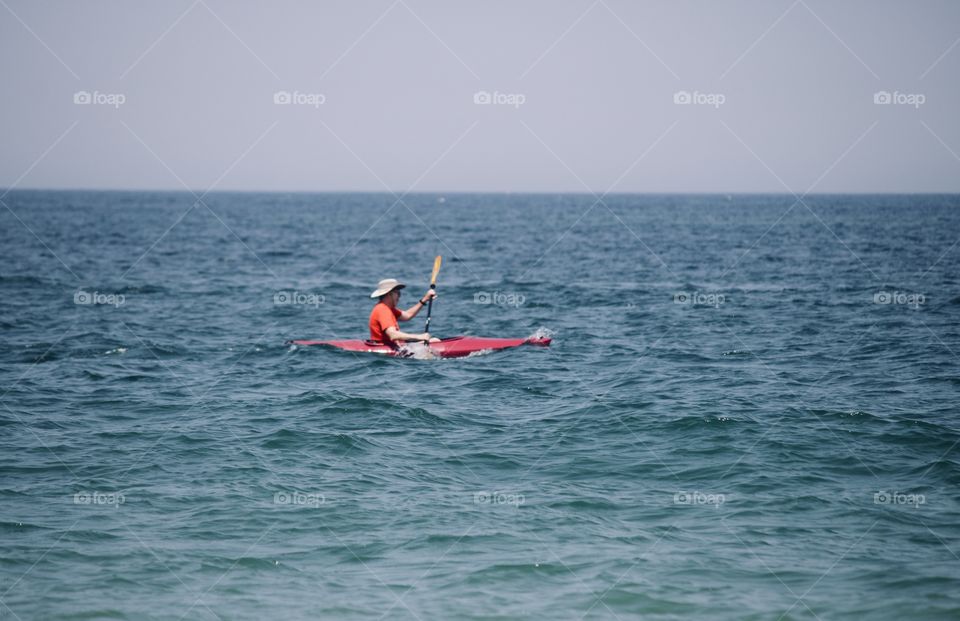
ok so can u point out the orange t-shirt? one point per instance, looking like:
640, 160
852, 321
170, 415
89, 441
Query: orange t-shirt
381, 318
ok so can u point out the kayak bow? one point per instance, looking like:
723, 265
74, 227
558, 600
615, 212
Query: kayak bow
454, 347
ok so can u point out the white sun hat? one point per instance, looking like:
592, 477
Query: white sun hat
386, 286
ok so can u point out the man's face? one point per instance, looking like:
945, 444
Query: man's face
394, 297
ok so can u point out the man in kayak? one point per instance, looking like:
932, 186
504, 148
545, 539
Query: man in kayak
383, 318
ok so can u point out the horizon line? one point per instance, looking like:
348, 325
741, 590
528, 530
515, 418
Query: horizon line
6, 191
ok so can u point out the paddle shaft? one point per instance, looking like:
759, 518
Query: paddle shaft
433, 287
426, 328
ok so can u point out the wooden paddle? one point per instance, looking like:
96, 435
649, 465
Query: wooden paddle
433, 285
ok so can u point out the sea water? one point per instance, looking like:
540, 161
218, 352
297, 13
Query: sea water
749, 409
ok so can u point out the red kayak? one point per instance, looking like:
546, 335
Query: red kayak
453, 347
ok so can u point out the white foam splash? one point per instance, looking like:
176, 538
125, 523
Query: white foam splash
417, 351
479, 352
542, 333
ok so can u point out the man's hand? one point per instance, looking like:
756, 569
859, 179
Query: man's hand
429, 295
426, 338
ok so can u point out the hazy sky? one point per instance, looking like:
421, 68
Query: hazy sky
583, 95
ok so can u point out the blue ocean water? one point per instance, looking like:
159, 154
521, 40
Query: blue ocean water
749, 410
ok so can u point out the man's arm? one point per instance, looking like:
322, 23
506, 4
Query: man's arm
411, 312
396, 335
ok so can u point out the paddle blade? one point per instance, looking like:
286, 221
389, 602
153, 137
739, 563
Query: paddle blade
436, 270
